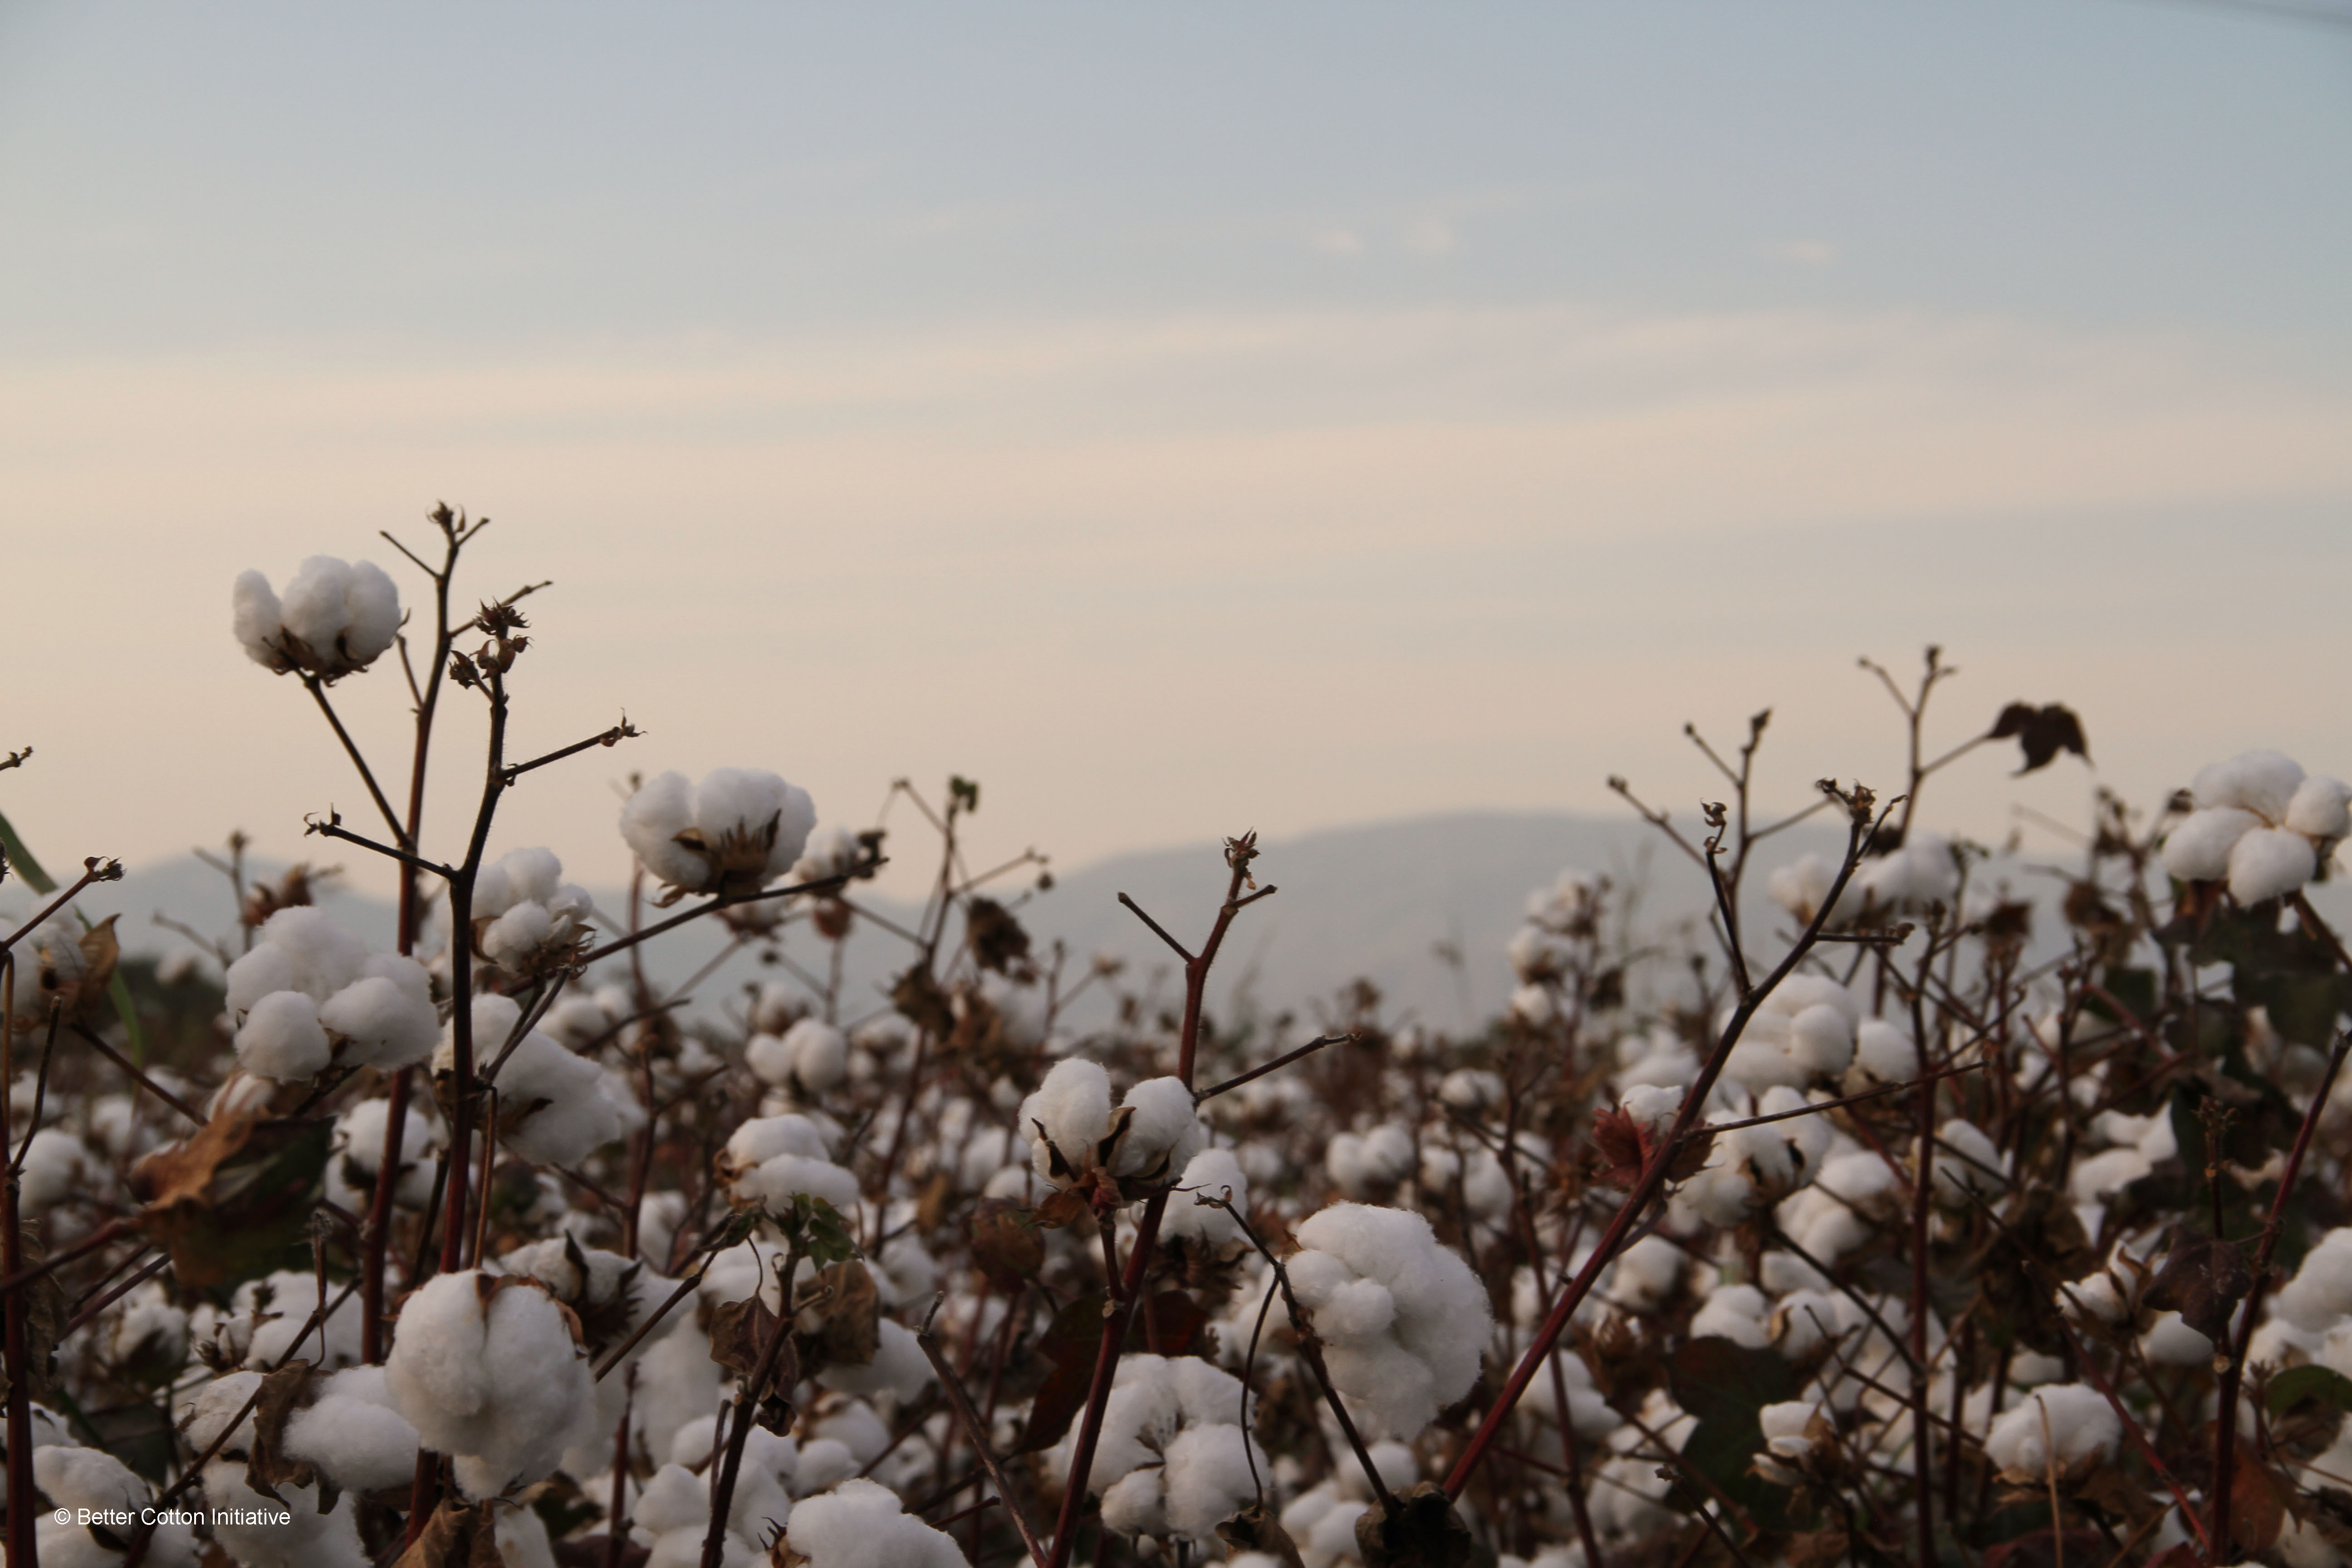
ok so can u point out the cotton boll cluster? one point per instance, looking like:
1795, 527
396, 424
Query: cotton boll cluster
1171, 1461
1855, 1190
354, 1432
2056, 1427
1073, 1131
809, 1057
527, 919
1750, 1167
1802, 1033
2260, 823
310, 994
1401, 1317
554, 1108
832, 851
1924, 872
265, 1317
336, 616
859, 1524
769, 1160
487, 1368
735, 832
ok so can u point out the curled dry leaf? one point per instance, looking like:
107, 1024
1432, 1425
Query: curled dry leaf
230, 1200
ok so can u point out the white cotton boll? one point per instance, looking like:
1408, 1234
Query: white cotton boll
203, 1417
1802, 1319
1535, 953
573, 1116
1214, 1173
769, 1059
1738, 1313
1135, 1504
317, 602
2080, 1423
2322, 808
75, 1479
281, 1038
832, 851
1206, 1478
2269, 863
514, 936
1362, 1164
1163, 1130
899, 1367
1427, 1356
59, 1168
1532, 1004
1800, 886
825, 1463
518, 877
2095, 1297
2105, 1174
1883, 1053
1070, 1111
266, 968
1821, 1040
503, 1386
2199, 849
277, 1307
2172, 1343
763, 1138
259, 619
384, 1024
773, 1183
1471, 1089
1965, 1162
2260, 781
862, 1524
2321, 1291
1647, 1272
650, 822
820, 1054
353, 1434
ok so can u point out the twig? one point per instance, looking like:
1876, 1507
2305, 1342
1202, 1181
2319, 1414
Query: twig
92, 1038
960, 1403
93, 870
624, 731
332, 827
1309, 1048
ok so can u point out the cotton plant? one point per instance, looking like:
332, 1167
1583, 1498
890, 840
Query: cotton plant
555, 1107
527, 919
1078, 1141
490, 1370
1175, 1456
1401, 1318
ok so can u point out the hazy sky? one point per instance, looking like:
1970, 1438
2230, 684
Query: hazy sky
1178, 417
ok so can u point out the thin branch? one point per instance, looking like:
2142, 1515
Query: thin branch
332, 827
93, 870
624, 731
1158, 930
1284, 1060
977, 1431
727, 901
318, 689
126, 1064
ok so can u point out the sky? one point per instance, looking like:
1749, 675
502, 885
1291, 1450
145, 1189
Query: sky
1182, 418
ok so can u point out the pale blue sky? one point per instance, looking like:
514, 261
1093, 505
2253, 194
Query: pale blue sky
1467, 394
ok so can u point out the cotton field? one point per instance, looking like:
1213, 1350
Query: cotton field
1895, 1211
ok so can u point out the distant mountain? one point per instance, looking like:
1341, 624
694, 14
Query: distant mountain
1373, 902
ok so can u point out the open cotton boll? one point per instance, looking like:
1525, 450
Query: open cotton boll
1424, 1355
1212, 1173
202, 1415
2260, 782
1205, 1477
1923, 872
1163, 1131
59, 1168
487, 1368
1737, 1312
552, 1105
1066, 1119
2321, 1291
769, 1159
1803, 1031
812, 1054
832, 851
2080, 1424
268, 1312
2269, 863
1374, 1161
73, 1479
336, 617
862, 1524
735, 832
2199, 849
355, 1153
2321, 808
1802, 887
353, 1433
518, 877
1965, 1162
899, 1367
282, 1038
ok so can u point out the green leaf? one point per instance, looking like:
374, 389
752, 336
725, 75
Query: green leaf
2297, 1384
1725, 1385
21, 861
